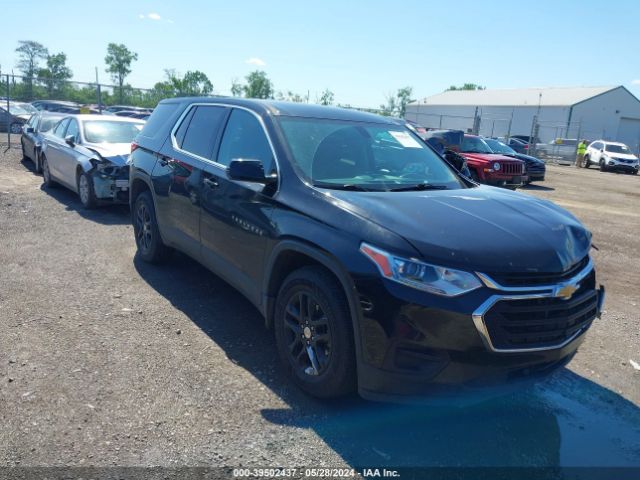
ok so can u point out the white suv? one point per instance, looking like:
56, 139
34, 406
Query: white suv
611, 156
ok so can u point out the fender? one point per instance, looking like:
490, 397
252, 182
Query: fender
328, 261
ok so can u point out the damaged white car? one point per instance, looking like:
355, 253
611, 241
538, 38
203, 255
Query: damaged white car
89, 155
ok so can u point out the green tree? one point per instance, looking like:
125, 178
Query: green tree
236, 88
326, 98
56, 73
397, 104
193, 83
29, 55
467, 86
258, 85
119, 59
290, 96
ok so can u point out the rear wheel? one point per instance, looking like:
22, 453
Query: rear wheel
314, 333
16, 128
46, 173
145, 226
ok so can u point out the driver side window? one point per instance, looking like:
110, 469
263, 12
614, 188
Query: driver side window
244, 138
60, 128
73, 129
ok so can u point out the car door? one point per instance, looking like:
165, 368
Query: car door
54, 148
68, 154
177, 175
235, 224
28, 139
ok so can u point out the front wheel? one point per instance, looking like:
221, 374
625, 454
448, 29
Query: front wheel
587, 162
603, 167
151, 248
16, 128
86, 191
314, 333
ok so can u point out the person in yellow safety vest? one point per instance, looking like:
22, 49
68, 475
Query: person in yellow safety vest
582, 149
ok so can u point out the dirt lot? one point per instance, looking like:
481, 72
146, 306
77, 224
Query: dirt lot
107, 361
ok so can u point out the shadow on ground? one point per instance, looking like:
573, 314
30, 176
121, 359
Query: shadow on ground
537, 187
567, 421
104, 214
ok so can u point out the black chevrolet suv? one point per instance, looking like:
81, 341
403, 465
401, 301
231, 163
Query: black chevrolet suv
379, 267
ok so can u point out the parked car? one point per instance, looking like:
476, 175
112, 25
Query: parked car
32, 132
135, 114
447, 143
526, 139
492, 168
612, 156
360, 246
561, 149
128, 108
535, 168
88, 154
57, 106
14, 118
517, 144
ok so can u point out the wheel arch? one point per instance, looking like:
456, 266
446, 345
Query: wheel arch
290, 255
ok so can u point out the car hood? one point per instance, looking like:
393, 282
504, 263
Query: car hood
523, 157
625, 156
116, 153
488, 157
482, 229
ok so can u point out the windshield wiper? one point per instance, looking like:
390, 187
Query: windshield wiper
342, 186
419, 186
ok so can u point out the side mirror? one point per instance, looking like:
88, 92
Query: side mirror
249, 170
28, 130
70, 140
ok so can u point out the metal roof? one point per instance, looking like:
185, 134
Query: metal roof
517, 97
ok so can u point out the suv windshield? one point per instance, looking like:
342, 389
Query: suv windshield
618, 149
364, 156
103, 131
498, 147
474, 145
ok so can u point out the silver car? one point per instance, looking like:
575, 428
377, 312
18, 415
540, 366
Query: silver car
89, 155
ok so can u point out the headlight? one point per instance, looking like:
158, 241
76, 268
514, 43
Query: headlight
496, 166
416, 274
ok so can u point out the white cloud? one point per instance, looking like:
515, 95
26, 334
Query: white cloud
154, 16
256, 61
635, 82
141, 16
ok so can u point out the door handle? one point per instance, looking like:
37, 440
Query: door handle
164, 160
211, 182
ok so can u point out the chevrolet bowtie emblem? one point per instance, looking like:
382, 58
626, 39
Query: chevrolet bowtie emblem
566, 291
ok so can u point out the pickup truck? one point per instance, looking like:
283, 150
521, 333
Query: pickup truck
492, 168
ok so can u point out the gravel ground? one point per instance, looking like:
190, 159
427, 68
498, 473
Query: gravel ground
105, 360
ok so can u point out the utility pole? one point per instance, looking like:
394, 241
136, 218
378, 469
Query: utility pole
8, 115
99, 92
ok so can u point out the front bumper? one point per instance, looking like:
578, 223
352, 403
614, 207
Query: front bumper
622, 167
506, 181
416, 347
112, 184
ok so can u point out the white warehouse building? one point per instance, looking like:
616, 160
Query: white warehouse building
609, 113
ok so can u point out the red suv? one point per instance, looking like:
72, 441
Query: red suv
491, 168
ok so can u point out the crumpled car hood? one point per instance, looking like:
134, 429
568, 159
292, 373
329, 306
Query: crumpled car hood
478, 229
116, 153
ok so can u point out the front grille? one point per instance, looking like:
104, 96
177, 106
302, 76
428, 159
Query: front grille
512, 168
541, 322
534, 279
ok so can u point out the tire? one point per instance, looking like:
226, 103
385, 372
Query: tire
314, 333
24, 153
48, 181
15, 128
587, 162
36, 161
603, 167
145, 227
86, 191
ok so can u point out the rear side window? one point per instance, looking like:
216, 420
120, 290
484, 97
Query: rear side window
203, 129
244, 138
182, 129
158, 118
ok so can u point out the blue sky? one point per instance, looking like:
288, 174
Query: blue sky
361, 50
